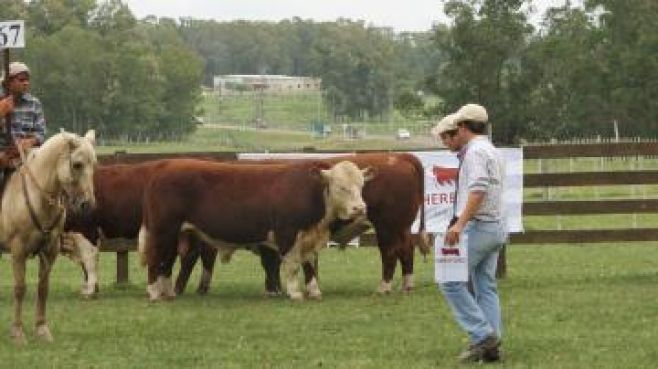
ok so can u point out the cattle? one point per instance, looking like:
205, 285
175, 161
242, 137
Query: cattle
284, 206
119, 190
393, 200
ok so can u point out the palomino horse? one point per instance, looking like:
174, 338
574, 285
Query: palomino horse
33, 211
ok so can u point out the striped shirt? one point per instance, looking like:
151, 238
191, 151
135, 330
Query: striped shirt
482, 169
27, 119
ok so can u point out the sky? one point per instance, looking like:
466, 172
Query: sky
402, 15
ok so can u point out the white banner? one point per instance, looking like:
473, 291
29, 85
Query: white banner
440, 173
450, 263
12, 34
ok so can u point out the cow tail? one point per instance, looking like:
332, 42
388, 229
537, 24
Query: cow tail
424, 243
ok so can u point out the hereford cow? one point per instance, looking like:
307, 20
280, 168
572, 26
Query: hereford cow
285, 206
118, 213
393, 199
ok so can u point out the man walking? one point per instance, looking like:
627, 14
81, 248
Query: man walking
480, 222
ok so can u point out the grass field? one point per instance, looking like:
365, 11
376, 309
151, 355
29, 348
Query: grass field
563, 306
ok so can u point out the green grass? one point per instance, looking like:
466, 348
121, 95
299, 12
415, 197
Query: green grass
563, 306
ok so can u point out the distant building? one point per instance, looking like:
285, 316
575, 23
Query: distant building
235, 83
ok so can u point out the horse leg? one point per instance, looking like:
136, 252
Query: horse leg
18, 266
46, 261
208, 258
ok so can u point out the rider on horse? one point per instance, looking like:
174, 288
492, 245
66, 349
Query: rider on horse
21, 114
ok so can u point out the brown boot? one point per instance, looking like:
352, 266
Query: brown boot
485, 350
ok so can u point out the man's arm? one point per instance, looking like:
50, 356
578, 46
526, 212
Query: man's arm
473, 203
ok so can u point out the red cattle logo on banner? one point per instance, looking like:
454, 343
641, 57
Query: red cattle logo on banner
444, 175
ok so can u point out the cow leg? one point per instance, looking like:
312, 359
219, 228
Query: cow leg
388, 253
159, 246
187, 261
310, 277
291, 264
46, 261
406, 257
208, 258
271, 262
166, 271
18, 266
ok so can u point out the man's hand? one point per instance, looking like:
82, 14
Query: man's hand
452, 235
26, 143
6, 105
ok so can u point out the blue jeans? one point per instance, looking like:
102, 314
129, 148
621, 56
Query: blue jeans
479, 314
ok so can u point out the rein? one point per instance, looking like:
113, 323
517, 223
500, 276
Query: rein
49, 197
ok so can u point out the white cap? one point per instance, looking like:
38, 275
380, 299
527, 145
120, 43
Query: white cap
16, 68
446, 124
472, 112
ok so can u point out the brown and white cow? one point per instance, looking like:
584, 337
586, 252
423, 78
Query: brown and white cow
393, 199
286, 206
119, 190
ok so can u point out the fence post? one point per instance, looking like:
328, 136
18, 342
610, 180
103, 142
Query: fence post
122, 267
501, 268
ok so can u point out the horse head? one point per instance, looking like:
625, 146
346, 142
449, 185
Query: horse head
75, 169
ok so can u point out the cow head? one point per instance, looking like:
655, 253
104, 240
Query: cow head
344, 183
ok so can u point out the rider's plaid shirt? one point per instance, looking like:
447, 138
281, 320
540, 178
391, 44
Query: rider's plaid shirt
27, 119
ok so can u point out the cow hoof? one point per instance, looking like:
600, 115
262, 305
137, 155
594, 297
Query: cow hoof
153, 292
408, 283
315, 296
18, 336
43, 333
271, 294
385, 288
202, 290
296, 296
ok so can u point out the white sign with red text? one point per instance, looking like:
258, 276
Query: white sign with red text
450, 262
440, 175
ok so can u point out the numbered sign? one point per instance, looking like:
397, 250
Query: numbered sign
12, 34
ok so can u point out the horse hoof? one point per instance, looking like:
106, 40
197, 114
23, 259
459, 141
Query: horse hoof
202, 290
43, 333
272, 294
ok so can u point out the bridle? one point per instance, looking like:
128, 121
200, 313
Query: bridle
51, 199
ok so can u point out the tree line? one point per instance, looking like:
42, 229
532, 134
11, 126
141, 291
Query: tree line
96, 66
579, 73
